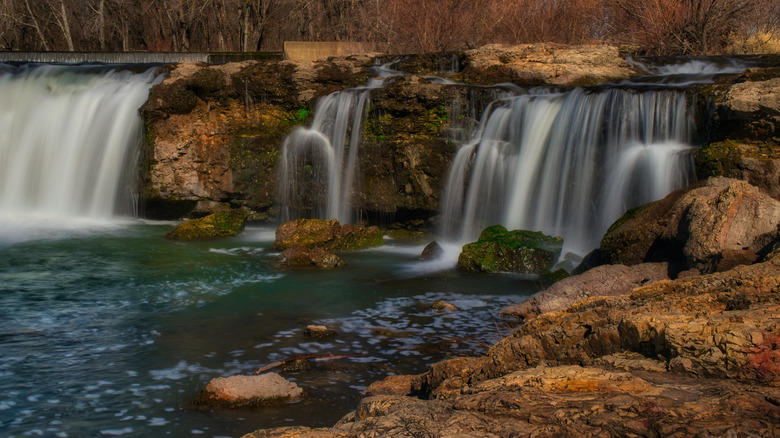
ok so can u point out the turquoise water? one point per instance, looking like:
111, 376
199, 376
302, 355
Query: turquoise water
113, 330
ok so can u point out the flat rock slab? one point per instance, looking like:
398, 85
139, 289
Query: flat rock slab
248, 391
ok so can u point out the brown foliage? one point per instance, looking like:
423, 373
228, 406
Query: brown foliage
649, 26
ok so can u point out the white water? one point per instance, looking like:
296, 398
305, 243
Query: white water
568, 164
69, 145
319, 163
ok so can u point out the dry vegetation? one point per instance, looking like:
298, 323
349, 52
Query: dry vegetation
647, 26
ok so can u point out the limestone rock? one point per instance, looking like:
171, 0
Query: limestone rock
247, 391
391, 385
330, 235
499, 250
607, 280
318, 332
299, 257
213, 226
545, 64
696, 225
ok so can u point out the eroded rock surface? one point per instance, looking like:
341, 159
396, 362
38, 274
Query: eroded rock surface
537, 64
607, 280
330, 235
696, 356
247, 391
299, 257
693, 227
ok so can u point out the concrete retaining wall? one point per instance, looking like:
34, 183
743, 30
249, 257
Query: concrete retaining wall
311, 50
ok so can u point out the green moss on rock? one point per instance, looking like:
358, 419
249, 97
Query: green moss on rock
717, 159
213, 226
330, 235
500, 250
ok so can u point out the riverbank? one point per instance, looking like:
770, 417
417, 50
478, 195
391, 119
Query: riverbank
693, 351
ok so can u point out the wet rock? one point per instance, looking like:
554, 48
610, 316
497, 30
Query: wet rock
442, 305
391, 385
608, 280
213, 226
318, 332
330, 235
544, 64
431, 251
692, 227
249, 391
499, 250
299, 257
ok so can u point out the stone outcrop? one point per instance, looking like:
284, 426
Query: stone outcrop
545, 64
214, 132
500, 250
329, 235
299, 257
607, 280
213, 226
693, 227
696, 356
249, 391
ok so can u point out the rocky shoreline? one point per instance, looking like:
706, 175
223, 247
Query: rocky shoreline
671, 328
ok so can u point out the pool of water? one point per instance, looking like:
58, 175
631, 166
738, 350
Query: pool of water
113, 330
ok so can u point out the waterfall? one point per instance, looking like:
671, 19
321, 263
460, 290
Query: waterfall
319, 163
568, 163
70, 141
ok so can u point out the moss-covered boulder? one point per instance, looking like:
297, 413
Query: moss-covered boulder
299, 257
213, 226
330, 235
500, 250
755, 162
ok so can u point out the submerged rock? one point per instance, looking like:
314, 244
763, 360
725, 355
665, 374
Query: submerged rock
693, 227
330, 235
213, 226
299, 257
499, 250
249, 391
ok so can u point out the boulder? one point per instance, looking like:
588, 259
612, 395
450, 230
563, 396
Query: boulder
299, 257
391, 385
329, 235
213, 226
431, 251
500, 250
318, 332
249, 391
691, 228
607, 280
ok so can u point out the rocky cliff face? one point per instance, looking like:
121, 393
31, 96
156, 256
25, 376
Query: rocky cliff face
214, 132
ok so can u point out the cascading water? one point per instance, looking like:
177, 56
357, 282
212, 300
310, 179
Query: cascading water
70, 142
568, 163
318, 164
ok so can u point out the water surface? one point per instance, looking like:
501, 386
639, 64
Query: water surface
113, 330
